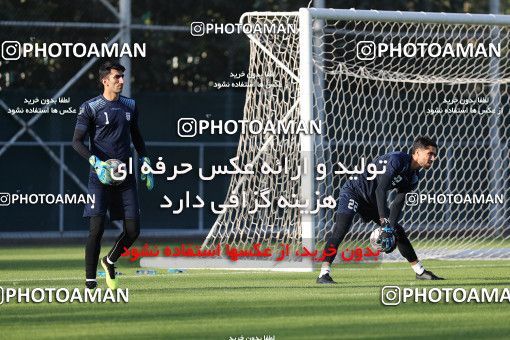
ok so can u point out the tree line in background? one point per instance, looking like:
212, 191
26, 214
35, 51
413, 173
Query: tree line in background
175, 60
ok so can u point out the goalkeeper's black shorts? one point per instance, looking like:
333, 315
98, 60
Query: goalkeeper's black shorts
121, 200
350, 204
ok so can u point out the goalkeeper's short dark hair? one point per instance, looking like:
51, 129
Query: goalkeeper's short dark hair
107, 66
422, 143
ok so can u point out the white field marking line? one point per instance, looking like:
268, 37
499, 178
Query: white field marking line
131, 276
226, 272
82, 278
437, 267
145, 276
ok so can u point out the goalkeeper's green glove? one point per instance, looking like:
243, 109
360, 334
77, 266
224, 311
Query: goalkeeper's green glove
148, 178
102, 170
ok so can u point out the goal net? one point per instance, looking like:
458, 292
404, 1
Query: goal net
443, 81
376, 81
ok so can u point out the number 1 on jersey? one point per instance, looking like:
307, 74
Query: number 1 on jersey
106, 115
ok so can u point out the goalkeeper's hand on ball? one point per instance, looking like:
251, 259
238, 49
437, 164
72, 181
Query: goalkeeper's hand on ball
147, 178
102, 170
387, 240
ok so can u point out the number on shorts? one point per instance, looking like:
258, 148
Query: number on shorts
353, 205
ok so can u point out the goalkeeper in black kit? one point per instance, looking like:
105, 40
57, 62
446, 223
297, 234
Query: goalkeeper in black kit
368, 199
111, 122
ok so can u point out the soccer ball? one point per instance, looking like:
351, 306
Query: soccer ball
375, 239
114, 167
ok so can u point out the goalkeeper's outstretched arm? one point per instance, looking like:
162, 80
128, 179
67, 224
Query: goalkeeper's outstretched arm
79, 145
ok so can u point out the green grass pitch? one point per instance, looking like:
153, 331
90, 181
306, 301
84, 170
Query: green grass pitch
220, 304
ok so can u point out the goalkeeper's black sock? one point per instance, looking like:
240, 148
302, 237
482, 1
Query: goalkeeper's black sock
126, 239
93, 246
404, 245
90, 284
343, 223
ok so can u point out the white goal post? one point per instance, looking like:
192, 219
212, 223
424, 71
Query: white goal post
376, 80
